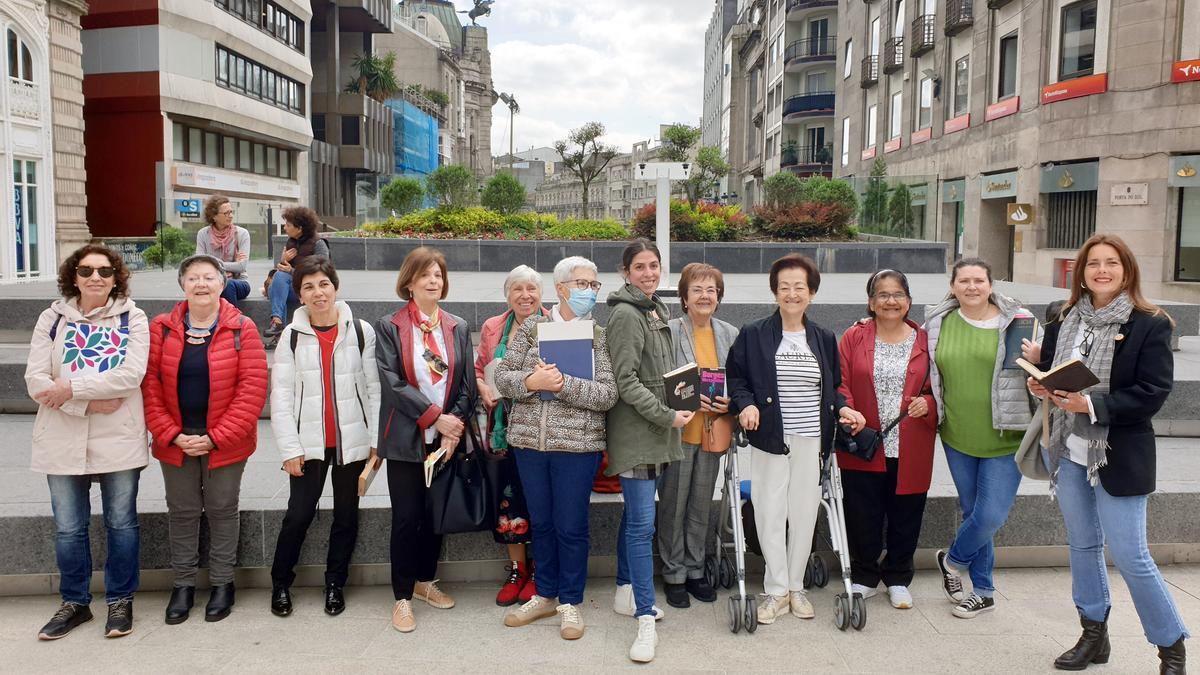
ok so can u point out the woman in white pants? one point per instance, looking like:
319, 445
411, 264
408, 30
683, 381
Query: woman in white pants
783, 376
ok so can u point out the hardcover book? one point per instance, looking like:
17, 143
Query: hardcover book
682, 387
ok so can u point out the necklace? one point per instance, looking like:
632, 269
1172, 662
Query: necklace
197, 336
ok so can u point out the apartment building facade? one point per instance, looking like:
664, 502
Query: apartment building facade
1028, 126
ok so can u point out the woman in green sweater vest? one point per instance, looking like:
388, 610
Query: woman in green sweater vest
984, 410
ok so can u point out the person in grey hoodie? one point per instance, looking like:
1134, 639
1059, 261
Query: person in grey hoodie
228, 243
984, 410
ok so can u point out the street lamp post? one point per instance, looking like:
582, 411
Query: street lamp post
513, 109
663, 173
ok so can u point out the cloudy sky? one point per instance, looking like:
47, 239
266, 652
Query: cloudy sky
630, 64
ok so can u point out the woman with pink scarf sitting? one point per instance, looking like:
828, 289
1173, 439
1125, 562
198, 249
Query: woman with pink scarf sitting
228, 243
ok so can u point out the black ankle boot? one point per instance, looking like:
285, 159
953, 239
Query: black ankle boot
1092, 647
220, 603
1172, 659
180, 604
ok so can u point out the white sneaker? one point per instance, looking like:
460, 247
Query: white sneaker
771, 607
866, 592
900, 597
801, 607
642, 650
625, 605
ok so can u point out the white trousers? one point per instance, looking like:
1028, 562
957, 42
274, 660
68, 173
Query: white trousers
786, 493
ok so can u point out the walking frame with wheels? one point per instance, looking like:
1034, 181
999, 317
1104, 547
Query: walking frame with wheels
849, 608
719, 568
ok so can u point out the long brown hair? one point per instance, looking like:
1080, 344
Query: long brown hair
1131, 284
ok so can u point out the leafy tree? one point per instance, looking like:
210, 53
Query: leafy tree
900, 212
585, 156
402, 195
822, 190
677, 142
504, 194
876, 198
170, 249
783, 189
708, 168
452, 186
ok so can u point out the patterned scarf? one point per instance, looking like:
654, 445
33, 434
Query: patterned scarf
221, 240
1104, 324
431, 347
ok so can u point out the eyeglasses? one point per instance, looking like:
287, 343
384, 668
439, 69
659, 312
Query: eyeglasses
1089, 340
85, 272
583, 284
435, 362
884, 297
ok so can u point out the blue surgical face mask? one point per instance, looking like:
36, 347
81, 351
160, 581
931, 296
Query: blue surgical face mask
582, 301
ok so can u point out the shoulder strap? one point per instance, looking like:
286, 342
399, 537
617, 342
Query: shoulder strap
54, 326
358, 333
237, 335
292, 338
125, 321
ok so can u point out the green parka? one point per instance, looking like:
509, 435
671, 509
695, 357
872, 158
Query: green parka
639, 346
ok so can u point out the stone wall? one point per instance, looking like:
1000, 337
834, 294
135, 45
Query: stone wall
66, 91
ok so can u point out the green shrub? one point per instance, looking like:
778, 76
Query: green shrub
172, 247
402, 195
821, 190
692, 224
602, 230
503, 193
783, 189
452, 186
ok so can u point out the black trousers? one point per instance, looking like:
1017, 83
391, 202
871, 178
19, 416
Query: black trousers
870, 502
415, 546
302, 507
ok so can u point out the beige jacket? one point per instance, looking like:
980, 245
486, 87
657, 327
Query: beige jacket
68, 441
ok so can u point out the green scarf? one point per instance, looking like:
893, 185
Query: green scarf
500, 413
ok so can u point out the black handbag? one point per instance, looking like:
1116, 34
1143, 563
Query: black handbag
462, 496
866, 442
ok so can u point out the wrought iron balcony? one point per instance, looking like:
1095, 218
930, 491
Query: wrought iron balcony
893, 54
808, 158
924, 32
960, 14
811, 50
870, 71
813, 104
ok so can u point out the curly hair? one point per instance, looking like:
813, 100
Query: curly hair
66, 271
212, 206
303, 218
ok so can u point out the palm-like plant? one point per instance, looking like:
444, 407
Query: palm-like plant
376, 76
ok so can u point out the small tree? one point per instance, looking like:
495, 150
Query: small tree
783, 189
708, 168
900, 212
374, 76
452, 186
402, 195
821, 190
876, 197
504, 194
677, 142
585, 156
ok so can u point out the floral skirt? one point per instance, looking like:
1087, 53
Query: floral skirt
512, 514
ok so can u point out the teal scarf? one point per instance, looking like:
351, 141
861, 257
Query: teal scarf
500, 413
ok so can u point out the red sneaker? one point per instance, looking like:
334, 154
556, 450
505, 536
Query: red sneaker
530, 588
511, 590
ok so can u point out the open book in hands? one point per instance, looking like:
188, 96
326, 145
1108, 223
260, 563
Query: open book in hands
1072, 376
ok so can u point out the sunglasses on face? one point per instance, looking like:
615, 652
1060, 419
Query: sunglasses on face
85, 272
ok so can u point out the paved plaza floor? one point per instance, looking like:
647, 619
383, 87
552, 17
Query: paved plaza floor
1033, 622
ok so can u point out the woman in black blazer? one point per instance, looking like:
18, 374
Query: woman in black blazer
1101, 451
427, 394
783, 374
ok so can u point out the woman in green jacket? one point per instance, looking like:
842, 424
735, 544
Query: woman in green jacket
643, 433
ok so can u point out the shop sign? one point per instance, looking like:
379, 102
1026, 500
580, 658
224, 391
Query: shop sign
1186, 71
1080, 86
1129, 194
1082, 177
998, 185
922, 136
1020, 214
1008, 106
920, 194
954, 190
187, 175
956, 124
1185, 171
188, 208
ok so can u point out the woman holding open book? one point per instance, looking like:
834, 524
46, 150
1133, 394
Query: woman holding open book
686, 490
983, 409
427, 395
1101, 452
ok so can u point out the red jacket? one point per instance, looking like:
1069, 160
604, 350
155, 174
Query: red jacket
857, 352
237, 384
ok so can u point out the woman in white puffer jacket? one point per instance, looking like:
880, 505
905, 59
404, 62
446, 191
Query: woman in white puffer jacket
324, 414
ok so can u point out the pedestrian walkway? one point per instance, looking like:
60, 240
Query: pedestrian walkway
1034, 622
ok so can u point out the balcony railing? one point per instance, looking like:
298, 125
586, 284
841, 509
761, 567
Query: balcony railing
813, 104
811, 49
800, 5
367, 16
960, 14
893, 54
870, 71
924, 31
23, 99
808, 157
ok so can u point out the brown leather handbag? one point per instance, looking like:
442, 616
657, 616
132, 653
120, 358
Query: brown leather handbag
716, 433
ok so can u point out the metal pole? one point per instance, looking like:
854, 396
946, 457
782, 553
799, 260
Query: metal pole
511, 119
662, 232
270, 235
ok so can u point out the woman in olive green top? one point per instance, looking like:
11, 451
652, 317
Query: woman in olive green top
984, 410
643, 433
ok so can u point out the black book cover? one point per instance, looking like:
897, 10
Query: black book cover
683, 388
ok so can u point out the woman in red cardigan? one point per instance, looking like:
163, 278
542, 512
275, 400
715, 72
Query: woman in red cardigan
885, 366
205, 386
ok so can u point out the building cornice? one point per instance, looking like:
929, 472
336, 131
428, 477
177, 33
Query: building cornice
80, 6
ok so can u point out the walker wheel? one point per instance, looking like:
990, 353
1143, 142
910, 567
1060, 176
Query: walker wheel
808, 575
858, 612
841, 611
735, 613
751, 623
725, 572
710, 571
820, 571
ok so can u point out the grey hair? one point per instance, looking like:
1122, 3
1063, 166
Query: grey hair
202, 258
521, 274
564, 268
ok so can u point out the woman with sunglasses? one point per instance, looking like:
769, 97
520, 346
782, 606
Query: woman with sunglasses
427, 395
885, 379
983, 409
87, 358
1101, 453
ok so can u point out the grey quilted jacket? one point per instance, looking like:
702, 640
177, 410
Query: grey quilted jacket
1011, 409
575, 420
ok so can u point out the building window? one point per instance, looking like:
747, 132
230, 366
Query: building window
269, 18
178, 142
1072, 218
849, 62
1187, 260
198, 146
962, 84
25, 196
20, 60
845, 141
1007, 80
896, 111
925, 103
244, 76
872, 125
1077, 46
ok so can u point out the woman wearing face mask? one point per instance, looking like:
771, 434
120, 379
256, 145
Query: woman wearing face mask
523, 290
557, 444
686, 490
984, 410
643, 433
228, 243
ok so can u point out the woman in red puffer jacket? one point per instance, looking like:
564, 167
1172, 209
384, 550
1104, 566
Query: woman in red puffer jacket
205, 386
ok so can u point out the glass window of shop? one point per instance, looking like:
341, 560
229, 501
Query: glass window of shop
1007, 80
1187, 261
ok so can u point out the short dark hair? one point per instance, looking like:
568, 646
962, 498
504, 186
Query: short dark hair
635, 247
212, 206
812, 274
895, 275
313, 264
303, 218
971, 262
417, 262
66, 271
693, 272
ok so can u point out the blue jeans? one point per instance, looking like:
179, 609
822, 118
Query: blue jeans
986, 491
1093, 516
282, 294
236, 290
635, 542
70, 500
558, 492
